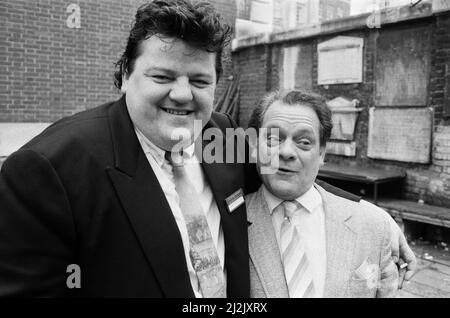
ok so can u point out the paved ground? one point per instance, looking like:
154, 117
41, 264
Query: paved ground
432, 279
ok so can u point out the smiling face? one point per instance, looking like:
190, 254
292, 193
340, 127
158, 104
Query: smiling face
297, 146
171, 85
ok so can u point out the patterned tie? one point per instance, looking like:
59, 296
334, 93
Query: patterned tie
204, 257
293, 254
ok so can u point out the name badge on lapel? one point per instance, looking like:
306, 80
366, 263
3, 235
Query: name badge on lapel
235, 200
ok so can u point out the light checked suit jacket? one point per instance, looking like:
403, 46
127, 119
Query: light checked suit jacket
357, 241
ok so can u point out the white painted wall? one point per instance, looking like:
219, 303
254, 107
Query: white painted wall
15, 135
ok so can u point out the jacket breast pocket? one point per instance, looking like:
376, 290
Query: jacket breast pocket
363, 287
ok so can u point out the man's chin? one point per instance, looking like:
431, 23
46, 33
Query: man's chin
285, 191
173, 141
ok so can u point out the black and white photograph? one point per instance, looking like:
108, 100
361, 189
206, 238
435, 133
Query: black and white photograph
237, 150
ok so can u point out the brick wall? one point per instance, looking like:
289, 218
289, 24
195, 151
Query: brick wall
251, 65
440, 66
430, 182
50, 70
227, 10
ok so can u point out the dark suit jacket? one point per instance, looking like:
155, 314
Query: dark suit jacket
83, 192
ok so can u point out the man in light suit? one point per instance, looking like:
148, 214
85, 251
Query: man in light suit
303, 240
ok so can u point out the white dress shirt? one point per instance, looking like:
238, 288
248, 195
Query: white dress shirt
310, 224
164, 174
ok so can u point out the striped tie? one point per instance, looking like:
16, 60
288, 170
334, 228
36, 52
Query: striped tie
295, 261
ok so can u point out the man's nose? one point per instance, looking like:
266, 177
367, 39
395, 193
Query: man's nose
181, 91
287, 150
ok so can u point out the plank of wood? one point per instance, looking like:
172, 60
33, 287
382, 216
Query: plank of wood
420, 218
416, 212
414, 207
358, 173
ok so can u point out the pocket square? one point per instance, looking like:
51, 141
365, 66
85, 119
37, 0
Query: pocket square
366, 270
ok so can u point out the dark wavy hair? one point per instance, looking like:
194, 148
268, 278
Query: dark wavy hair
295, 97
196, 23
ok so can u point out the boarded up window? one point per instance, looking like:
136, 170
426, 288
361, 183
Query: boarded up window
403, 67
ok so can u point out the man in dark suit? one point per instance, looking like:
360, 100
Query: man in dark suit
93, 205
92, 190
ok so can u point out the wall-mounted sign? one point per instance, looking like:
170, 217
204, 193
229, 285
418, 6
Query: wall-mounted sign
401, 134
340, 60
344, 115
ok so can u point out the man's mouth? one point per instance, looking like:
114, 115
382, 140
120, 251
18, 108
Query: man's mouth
286, 170
178, 112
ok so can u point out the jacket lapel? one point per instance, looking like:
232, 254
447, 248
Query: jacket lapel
263, 247
340, 244
146, 206
224, 179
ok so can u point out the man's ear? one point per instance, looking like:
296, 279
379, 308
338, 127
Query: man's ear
253, 147
124, 86
322, 151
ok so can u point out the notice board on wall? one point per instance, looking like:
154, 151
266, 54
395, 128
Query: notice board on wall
340, 60
401, 134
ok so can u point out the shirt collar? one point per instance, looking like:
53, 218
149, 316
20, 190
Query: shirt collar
309, 200
157, 153
272, 201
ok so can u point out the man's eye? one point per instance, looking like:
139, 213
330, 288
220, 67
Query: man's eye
161, 78
200, 83
273, 140
304, 143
